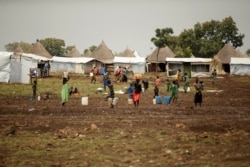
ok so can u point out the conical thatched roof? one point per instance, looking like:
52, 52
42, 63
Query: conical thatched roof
127, 53
74, 53
103, 54
87, 54
226, 53
163, 54
39, 50
18, 50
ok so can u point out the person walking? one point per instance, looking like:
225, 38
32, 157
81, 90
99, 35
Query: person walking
130, 90
158, 81
156, 91
65, 92
186, 82
34, 88
174, 91
137, 92
198, 94
111, 93
105, 80
93, 75
214, 74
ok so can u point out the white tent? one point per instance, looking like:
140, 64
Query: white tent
15, 68
240, 66
71, 64
194, 66
5, 66
137, 64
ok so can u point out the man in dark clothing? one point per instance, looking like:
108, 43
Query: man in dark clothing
145, 84
34, 87
111, 92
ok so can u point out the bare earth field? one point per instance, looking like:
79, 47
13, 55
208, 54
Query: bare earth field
217, 134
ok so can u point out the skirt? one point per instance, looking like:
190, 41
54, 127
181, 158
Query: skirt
198, 97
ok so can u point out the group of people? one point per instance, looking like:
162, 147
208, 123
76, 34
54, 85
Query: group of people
73, 91
173, 87
120, 74
135, 88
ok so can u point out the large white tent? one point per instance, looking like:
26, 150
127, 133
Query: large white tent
137, 63
5, 66
240, 66
71, 64
15, 68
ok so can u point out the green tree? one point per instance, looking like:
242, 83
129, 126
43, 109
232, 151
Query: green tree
68, 49
206, 39
56, 47
248, 52
10, 47
162, 39
92, 48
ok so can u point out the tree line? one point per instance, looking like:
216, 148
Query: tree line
203, 40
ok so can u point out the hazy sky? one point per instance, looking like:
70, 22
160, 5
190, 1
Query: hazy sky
119, 23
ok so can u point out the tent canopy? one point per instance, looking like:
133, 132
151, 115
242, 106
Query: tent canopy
189, 60
71, 59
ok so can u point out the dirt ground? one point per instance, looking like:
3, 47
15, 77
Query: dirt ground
42, 133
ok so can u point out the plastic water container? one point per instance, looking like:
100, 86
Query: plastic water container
158, 100
38, 97
143, 89
154, 101
85, 101
110, 101
130, 101
166, 99
115, 101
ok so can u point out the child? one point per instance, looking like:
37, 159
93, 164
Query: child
156, 91
34, 87
202, 85
76, 93
130, 91
168, 85
174, 91
93, 75
214, 74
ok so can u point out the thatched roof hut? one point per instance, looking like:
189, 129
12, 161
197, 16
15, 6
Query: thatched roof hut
18, 50
225, 54
216, 64
87, 53
38, 49
103, 54
74, 53
127, 53
163, 54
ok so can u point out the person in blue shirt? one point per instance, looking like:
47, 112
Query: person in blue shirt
131, 91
